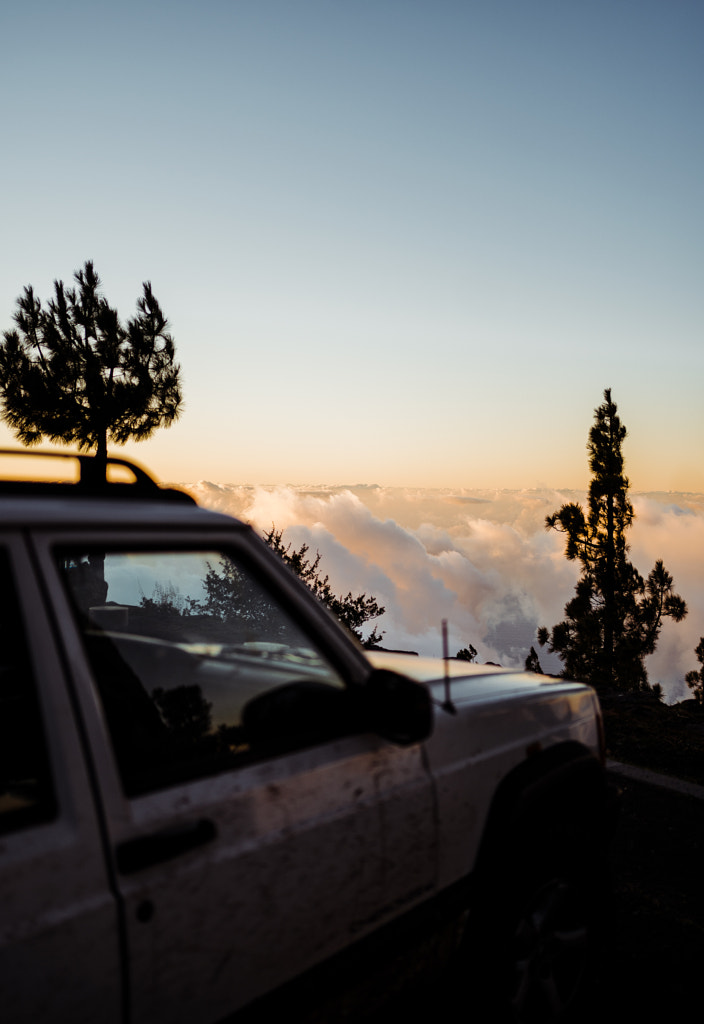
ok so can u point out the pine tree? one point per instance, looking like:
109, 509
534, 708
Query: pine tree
72, 372
353, 611
532, 662
613, 622
695, 678
468, 653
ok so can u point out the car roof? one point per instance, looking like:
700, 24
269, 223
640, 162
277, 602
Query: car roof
42, 511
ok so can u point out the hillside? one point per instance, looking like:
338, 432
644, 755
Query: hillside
640, 730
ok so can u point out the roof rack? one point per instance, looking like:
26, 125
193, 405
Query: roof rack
92, 480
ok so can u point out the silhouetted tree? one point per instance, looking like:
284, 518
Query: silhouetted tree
234, 598
72, 372
695, 678
613, 622
353, 610
468, 653
532, 663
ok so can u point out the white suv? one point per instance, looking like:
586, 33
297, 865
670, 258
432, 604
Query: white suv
211, 797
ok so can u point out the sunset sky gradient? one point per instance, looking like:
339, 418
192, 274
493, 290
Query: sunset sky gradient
398, 242
403, 246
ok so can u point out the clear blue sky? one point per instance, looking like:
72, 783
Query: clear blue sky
398, 241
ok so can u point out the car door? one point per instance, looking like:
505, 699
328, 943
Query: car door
257, 828
59, 929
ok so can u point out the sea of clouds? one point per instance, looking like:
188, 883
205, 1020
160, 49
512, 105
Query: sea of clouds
482, 560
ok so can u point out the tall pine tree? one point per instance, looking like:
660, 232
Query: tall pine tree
72, 372
614, 620
695, 678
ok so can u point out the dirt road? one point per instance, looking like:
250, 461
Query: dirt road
652, 956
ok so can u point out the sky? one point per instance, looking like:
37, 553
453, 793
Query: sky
398, 242
403, 247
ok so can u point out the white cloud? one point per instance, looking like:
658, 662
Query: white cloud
482, 560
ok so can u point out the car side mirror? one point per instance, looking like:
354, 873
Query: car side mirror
306, 713
398, 708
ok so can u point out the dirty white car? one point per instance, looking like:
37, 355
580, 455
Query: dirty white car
212, 798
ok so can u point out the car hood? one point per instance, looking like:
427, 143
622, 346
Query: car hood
467, 681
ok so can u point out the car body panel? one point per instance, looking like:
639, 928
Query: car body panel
299, 868
59, 931
497, 719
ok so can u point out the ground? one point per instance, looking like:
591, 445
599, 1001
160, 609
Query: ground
643, 731
647, 961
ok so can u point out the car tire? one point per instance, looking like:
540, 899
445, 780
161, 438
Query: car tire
545, 956
527, 952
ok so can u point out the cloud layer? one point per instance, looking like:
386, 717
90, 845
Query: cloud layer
480, 559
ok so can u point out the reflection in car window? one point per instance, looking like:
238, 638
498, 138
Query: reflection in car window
26, 794
183, 646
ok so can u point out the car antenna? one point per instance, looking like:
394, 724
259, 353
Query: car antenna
447, 704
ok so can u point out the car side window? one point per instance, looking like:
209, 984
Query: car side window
198, 666
26, 792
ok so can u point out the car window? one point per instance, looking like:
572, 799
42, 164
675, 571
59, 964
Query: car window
26, 793
198, 665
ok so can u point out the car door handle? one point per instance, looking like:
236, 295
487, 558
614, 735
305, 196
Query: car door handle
143, 851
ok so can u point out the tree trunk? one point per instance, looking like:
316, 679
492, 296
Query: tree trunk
609, 594
101, 458
94, 472
610, 588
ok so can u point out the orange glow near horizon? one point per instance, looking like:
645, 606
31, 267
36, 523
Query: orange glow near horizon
430, 454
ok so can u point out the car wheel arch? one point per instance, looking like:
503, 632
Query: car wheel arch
566, 777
